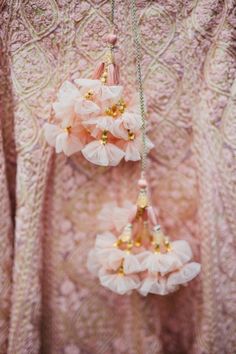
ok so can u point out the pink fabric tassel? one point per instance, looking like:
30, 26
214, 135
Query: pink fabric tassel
113, 75
98, 71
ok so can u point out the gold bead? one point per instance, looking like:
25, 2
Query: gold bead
126, 234
138, 243
142, 201
129, 245
68, 129
120, 270
89, 95
167, 244
158, 236
104, 138
157, 248
131, 135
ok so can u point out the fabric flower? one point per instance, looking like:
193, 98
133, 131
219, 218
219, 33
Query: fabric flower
155, 284
163, 263
107, 154
128, 129
68, 140
134, 145
71, 102
110, 257
119, 282
159, 262
102, 92
184, 274
64, 106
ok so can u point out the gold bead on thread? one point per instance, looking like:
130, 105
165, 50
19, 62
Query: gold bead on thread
68, 129
89, 95
126, 235
104, 138
142, 201
131, 135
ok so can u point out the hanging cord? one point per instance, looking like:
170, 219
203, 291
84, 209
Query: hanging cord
137, 43
112, 30
112, 12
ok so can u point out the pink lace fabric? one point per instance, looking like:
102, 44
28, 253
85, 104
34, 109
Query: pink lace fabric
49, 303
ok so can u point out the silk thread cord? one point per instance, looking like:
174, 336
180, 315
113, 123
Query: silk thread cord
112, 16
137, 45
112, 12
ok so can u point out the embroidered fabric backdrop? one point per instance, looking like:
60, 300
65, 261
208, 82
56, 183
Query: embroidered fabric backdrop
49, 303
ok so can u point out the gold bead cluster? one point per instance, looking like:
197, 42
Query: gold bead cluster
104, 137
89, 95
68, 129
131, 135
116, 109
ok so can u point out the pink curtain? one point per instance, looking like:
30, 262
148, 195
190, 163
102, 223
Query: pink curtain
49, 303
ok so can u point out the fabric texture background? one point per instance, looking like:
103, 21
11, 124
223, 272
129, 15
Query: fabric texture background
49, 303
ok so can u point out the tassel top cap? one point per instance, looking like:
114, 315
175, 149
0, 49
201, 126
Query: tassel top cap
111, 39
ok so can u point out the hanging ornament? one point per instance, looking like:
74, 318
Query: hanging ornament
140, 257
92, 117
134, 254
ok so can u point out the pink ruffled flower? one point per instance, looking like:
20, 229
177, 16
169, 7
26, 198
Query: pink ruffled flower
119, 282
99, 124
128, 128
64, 106
133, 146
163, 263
103, 154
158, 262
185, 274
68, 140
101, 92
154, 283
130, 119
72, 102
107, 256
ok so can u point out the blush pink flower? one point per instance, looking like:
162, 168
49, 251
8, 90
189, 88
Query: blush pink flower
64, 106
185, 274
128, 128
103, 154
110, 257
119, 282
101, 92
163, 263
154, 283
68, 140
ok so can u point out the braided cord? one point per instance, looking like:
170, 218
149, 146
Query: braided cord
112, 16
137, 44
112, 12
